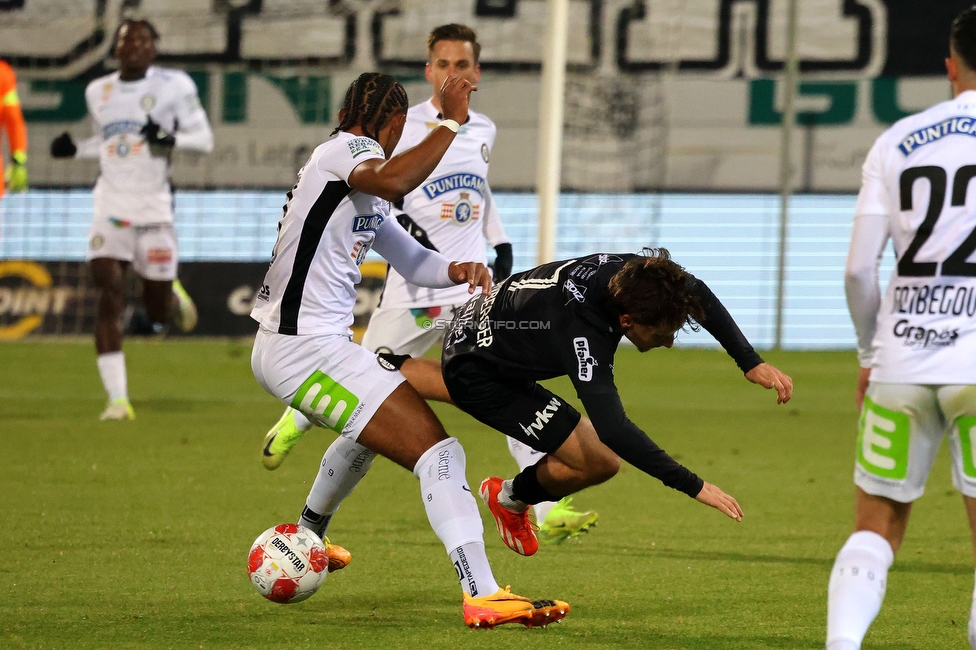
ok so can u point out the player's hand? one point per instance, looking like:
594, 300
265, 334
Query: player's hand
160, 143
769, 377
474, 273
63, 146
863, 378
455, 94
16, 176
711, 495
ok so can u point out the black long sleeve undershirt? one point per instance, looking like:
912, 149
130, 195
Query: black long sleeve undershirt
719, 323
625, 438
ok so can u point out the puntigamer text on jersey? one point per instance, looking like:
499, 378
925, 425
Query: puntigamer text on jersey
962, 125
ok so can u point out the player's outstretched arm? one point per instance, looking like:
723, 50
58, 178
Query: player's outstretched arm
768, 376
392, 179
711, 495
424, 267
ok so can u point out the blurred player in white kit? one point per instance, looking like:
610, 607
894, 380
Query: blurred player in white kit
139, 115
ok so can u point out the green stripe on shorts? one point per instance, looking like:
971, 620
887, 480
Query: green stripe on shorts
320, 392
882, 441
967, 427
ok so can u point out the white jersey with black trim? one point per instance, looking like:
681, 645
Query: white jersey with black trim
119, 110
453, 209
917, 191
326, 230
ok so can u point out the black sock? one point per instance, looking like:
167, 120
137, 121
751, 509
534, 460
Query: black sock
527, 489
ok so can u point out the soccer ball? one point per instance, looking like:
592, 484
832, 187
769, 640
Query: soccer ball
287, 563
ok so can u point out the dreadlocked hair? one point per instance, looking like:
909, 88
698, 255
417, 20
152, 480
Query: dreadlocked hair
370, 102
962, 36
656, 292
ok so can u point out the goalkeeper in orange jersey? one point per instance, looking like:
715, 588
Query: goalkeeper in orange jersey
12, 121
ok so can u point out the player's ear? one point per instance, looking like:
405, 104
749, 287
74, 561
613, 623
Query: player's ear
952, 68
626, 321
342, 115
427, 72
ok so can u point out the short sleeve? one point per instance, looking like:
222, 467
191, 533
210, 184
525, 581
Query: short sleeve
874, 197
348, 153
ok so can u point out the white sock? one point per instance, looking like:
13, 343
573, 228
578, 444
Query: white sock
857, 588
344, 464
471, 561
526, 456
506, 499
453, 514
972, 623
111, 366
302, 422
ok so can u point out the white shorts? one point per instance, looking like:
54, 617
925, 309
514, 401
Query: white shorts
899, 434
407, 331
150, 248
334, 382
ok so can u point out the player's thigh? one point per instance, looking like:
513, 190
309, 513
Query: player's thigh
403, 428
958, 403
520, 409
335, 383
899, 433
584, 451
155, 256
108, 275
406, 331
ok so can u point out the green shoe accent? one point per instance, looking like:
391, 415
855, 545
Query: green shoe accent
563, 522
185, 316
280, 439
118, 409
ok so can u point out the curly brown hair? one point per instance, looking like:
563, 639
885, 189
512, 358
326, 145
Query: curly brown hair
656, 292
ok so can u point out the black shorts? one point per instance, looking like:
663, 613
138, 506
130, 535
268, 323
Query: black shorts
519, 408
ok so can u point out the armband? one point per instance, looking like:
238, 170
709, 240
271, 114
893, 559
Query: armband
451, 124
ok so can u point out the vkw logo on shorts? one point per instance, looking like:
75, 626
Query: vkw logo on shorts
325, 401
541, 419
586, 363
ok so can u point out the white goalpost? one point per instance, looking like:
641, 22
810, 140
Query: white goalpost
553, 86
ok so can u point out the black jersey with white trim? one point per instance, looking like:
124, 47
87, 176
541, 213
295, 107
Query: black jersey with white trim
556, 320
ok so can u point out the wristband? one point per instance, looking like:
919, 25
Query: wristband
451, 124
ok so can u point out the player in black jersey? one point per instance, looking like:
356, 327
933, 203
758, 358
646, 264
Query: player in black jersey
567, 318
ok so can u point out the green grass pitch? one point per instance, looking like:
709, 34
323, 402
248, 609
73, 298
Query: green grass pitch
135, 535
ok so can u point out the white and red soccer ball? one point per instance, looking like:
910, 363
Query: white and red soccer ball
287, 563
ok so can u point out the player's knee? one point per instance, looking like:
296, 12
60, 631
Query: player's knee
607, 467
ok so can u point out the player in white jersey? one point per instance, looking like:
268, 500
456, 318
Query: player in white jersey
139, 115
452, 212
917, 343
303, 352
